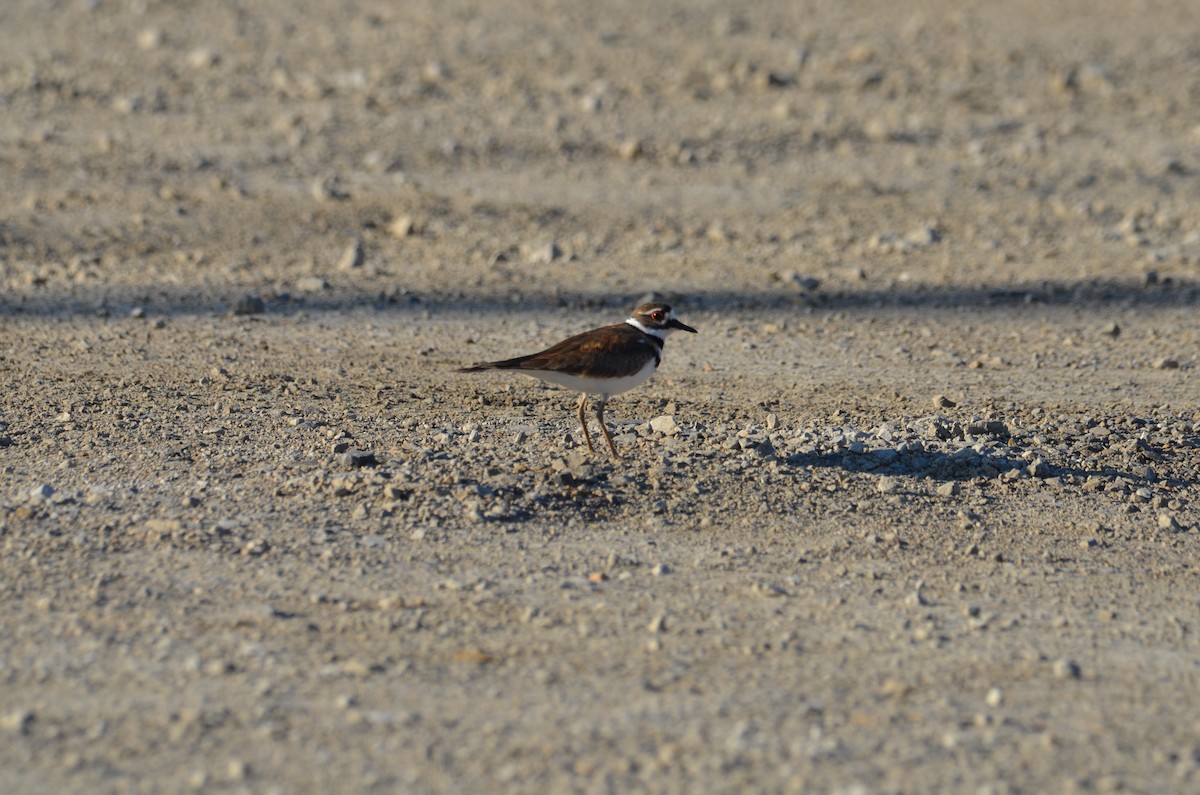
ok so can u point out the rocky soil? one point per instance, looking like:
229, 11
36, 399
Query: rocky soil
915, 511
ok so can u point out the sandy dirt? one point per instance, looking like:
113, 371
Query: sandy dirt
918, 508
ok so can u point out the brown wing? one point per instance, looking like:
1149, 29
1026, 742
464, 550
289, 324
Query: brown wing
603, 353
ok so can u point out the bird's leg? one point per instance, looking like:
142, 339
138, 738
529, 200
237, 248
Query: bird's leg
583, 423
600, 404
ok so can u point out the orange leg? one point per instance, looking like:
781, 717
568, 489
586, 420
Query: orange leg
600, 404
583, 423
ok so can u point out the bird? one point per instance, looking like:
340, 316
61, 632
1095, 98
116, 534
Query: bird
602, 362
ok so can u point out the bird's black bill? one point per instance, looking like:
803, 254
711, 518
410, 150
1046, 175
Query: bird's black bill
673, 323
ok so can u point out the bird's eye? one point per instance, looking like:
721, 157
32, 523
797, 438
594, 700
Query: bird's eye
657, 314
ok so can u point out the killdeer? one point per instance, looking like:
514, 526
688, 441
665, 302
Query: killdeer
601, 362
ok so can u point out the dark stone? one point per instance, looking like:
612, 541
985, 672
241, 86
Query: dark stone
356, 459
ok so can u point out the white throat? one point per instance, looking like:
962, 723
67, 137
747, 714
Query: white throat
661, 333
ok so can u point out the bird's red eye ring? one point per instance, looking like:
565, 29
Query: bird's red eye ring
656, 314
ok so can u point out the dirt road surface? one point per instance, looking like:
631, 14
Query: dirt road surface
917, 511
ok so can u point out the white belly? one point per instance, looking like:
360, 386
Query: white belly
596, 386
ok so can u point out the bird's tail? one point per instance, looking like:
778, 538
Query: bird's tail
507, 364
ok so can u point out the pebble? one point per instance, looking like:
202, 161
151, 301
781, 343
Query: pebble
159, 529
765, 450
1165, 363
353, 257
327, 188
543, 254
887, 485
769, 589
948, 489
203, 58
665, 425
994, 697
128, 105
717, 233
19, 721
987, 428
923, 236
357, 459
311, 284
402, 226
1065, 668
1038, 468
943, 402
150, 39
194, 664
806, 283
41, 493
255, 548
237, 770
1167, 522
434, 71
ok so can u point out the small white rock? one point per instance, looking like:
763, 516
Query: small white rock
311, 284
150, 39
664, 424
17, 722
888, 485
630, 149
402, 226
353, 257
948, 489
923, 236
543, 254
41, 493
203, 58
237, 770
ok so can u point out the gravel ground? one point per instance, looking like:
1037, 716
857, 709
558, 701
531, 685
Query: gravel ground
915, 511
